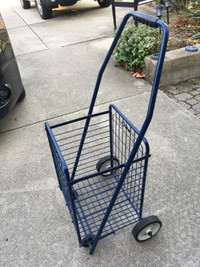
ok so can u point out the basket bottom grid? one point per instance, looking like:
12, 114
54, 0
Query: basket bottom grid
93, 198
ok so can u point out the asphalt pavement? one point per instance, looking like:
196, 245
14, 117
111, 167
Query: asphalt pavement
59, 60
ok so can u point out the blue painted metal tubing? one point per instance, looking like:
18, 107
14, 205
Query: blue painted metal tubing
152, 22
157, 23
139, 17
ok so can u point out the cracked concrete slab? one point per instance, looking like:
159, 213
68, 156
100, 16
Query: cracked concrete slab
27, 41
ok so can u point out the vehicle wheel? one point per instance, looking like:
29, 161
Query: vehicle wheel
86, 240
105, 163
23, 94
45, 13
104, 3
25, 4
146, 228
5, 94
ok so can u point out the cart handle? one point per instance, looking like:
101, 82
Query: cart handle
146, 19
152, 22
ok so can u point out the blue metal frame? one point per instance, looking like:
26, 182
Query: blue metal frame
117, 188
148, 116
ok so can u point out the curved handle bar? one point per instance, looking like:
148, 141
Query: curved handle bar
152, 22
146, 19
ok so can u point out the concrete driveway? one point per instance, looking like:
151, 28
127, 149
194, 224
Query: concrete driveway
59, 60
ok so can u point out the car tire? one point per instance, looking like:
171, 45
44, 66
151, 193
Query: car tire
25, 4
104, 3
45, 13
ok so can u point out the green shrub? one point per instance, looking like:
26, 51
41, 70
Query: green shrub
136, 43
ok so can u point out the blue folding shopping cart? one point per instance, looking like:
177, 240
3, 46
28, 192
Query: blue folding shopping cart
101, 161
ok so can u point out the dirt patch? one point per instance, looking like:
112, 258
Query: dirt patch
181, 29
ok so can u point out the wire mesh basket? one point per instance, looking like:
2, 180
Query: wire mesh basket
93, 188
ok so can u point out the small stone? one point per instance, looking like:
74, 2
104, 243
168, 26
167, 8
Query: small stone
197, 107
193, 111
197, 97
185, 105
195, 86
192, 101
185, 88
183, 97
177, 91
198, 115
170, 89
194, 93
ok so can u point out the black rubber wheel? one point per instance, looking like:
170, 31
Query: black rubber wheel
105, 163
104, 3
86, 240
45, 13
146, 228
23, 94
25, 4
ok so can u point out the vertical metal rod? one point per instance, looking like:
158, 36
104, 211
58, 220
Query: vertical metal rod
143, 185
96, 91
167, 15
135, 9
114, 14
75, 220
111, 136
135, 4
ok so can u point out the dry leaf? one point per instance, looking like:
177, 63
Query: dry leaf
140, 75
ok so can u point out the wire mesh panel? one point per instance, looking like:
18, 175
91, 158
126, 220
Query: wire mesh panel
107, 133
124, 138
96, 144
95, 194
60, 168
